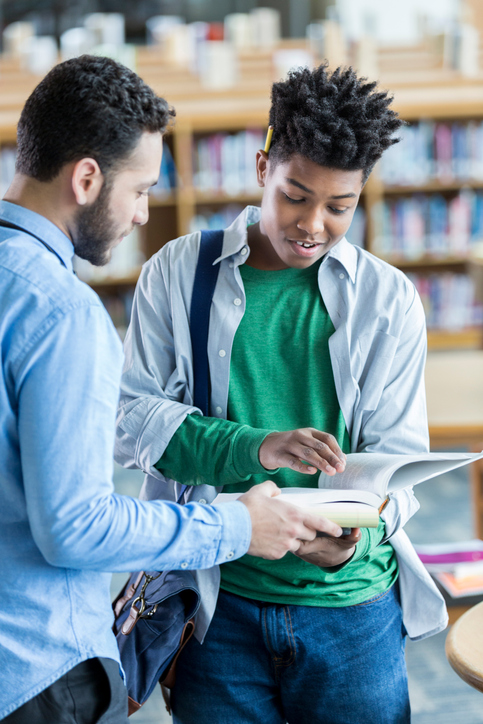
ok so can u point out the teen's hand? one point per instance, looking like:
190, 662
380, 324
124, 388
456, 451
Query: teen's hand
288, 449
279, 527
328, 552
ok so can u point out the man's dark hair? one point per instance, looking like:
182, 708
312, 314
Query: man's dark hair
332, 118
87, 107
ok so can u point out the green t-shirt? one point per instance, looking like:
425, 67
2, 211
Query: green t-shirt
280, 379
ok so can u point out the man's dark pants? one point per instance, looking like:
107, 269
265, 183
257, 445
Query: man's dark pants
90, 693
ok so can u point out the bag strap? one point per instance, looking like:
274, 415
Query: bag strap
206, 275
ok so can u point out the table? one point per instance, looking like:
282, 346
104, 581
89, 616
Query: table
464, 646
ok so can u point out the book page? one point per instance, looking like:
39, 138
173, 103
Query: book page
418, 471
383, 473
348, 508
364, 471
316, 496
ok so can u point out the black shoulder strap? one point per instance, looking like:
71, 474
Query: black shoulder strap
9, 225
206, 275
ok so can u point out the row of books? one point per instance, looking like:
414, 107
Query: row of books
224, 162
432, 225
435, 151
456, 567
448, 300
168, 177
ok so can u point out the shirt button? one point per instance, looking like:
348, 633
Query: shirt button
341, 276
202, 501
222, 353
218, 410
184, 565
230, 554
231, 265
237, 302
244, 251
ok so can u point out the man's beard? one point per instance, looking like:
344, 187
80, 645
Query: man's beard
95, 229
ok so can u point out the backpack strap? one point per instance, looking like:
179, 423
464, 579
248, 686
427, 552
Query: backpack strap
206, 275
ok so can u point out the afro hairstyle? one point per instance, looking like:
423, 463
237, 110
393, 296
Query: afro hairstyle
334, 119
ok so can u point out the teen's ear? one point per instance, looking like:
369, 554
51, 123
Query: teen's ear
87, 180
262, 167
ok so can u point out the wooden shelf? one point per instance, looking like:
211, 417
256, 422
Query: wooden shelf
464, 339
424, 262
434, 186
219, 197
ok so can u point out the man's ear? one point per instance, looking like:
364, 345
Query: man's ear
87, 180
262, 167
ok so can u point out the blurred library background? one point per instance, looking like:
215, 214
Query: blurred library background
421, 209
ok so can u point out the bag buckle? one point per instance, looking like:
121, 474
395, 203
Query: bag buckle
136, 613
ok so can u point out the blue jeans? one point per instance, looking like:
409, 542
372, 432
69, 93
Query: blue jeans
269, 663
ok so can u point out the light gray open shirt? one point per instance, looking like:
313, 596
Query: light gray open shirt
378, 353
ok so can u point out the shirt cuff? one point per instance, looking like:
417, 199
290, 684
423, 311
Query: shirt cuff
236, 531
245, 447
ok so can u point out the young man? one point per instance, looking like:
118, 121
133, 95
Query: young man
316, 349
89, 148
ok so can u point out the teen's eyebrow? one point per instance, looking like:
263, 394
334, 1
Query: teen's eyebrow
299, 185
292, 181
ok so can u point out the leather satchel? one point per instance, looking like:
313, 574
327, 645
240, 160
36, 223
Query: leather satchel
154, 613
153, 622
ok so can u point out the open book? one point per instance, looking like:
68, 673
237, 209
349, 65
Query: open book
353, 498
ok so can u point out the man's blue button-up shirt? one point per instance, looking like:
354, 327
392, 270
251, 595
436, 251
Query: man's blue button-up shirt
61, 525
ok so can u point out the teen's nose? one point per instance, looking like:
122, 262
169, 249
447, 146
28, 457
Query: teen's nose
312, 223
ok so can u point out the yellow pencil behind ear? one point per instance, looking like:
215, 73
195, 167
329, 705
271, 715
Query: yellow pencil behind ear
268, 140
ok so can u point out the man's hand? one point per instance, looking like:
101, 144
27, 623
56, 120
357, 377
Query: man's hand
328, 552
288, 449
279, 527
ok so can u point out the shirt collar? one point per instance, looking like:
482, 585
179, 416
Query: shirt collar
235, 236
345, 253
41, 227
235, 239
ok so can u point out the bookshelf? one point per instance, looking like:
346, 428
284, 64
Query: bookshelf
427, 96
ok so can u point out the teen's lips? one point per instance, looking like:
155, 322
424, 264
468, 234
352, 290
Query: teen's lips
304, 247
